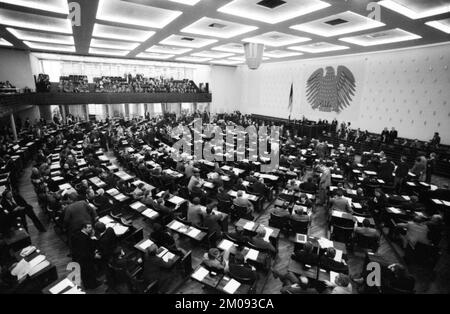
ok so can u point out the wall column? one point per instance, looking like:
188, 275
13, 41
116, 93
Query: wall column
13, 127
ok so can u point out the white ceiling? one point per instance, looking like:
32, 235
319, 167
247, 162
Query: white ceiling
213, 31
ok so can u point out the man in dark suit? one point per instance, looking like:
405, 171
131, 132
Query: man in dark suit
155, 269
162, 237
212, 221
223, 196
306, 255
431, 166
401, 172
83, 252
239, 269
260, 188
309, 186
327, 262
392, 135
260, 243
106, 241
77, 213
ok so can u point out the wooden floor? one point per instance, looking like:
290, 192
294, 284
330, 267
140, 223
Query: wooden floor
57, 252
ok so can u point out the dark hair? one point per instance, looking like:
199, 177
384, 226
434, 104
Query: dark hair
366, 223
196, 201
100, 227
330, 252
239, 258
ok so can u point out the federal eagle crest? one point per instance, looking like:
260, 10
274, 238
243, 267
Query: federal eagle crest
331, 92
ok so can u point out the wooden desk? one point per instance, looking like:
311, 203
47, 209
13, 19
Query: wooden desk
206, 277
186, 230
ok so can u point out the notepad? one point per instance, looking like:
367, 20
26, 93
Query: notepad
249, 225
225, 245
411, 183
176, 225
120, 229
106, 220
231, 286
200, 274
113, 192
137, 205
176, 200
252, 255
193, 232
406, 198
338, 256
446, 203
120, 197
357, 205
325, 243
61, 286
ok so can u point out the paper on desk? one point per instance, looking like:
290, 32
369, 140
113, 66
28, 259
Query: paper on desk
338, 256
149, 213
37, 260
249, 225
269, 231
38, 267
106, 220
395, 210
446, 203
406, 197
61, 286
146, 244
225, 245
176, 200
231, 286
325, 243
21, 270
357, 205
333, 276
200, 273
120, 229
136, 205
168, 256
163, 251
252, 255
74, 290
121, 197
193, 232
176, 225
359, 219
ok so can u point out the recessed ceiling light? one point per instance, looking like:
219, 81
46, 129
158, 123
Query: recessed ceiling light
112, 44
272, 11
108, 52
353, 23
186, 41
318, 47
34, 21
121, 33
192, 59
242, 58
41, 37
226, 29
442, 25
381, 38
231, 47
212, 54
277, 54
52, 47
417, 9
187, 2
276, 39
168, 50
135, 14
4, 42
152, 55
57, 6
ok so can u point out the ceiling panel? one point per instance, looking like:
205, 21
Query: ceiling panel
4, 42
208, 31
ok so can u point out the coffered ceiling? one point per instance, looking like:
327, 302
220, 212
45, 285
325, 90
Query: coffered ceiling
213, 31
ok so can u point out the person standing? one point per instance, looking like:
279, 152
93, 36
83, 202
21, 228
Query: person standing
431, 166
401, 172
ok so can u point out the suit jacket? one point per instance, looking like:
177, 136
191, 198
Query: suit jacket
107, 243
212, 222
241, 271
308, 186
83, 247
154, 269
332, 265
306, 258
263, 245
77, 214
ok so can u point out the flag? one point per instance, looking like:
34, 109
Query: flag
291, 99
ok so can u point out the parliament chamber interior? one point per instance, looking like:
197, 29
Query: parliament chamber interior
229, 147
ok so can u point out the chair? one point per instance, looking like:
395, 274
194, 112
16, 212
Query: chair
280, 222
342, 234
186, 263
299, 226
225, 206
240, 212
365, 242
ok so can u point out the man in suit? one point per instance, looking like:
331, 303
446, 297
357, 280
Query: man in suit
259, 242
162, 237
340, 203
239, 269
306, 255
431, 166
101, 200
401, 172
163, 209
327, 261
366, 230
212, 221
15, 204
83, 252
106, 241
194, 213
392, 135
243, 201
309, 186
155, 269
77, 214
260, 188
223, 196
239, 235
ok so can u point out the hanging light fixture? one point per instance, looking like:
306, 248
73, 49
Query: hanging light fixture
253, 55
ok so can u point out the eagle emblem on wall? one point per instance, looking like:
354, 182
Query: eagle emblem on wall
332, 91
